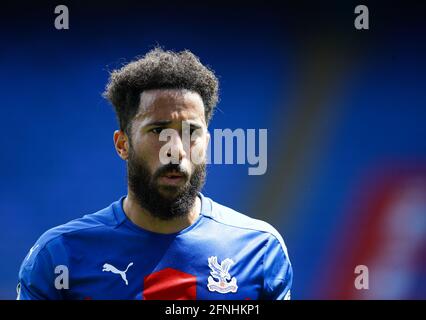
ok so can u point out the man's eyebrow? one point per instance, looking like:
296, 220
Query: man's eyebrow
194, 124
167, 122
158, 123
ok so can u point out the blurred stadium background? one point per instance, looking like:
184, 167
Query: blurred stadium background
345, 112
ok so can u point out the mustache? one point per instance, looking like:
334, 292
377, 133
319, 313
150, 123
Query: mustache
171, 168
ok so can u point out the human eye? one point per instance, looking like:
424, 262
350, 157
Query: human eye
157, 130
193, 128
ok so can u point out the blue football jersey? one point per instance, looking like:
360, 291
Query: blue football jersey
222, 255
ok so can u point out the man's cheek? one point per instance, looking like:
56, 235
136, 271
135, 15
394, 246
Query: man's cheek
198, 153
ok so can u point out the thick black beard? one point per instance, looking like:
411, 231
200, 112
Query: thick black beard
146, 191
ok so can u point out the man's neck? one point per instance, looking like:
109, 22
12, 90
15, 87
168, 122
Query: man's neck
144, 219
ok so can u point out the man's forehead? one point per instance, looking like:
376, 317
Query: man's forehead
163, 102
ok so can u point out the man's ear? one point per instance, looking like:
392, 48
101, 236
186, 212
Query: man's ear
121, 143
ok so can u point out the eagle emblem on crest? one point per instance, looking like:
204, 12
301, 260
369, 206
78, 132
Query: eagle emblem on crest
224, 283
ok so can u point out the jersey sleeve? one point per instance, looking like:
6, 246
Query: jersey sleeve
37, 276
278, 272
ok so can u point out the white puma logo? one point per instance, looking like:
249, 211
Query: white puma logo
110, 268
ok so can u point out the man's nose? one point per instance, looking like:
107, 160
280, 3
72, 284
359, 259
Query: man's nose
179, 146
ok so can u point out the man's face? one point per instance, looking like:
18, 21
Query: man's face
167, 190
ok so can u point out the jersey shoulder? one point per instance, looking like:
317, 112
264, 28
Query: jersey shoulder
105, 218
227, 216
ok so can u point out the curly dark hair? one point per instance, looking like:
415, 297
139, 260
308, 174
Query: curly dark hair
160, 69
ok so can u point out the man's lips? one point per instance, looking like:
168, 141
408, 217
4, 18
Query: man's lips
174, 175
173, 178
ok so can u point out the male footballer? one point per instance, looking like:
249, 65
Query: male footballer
164, 239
